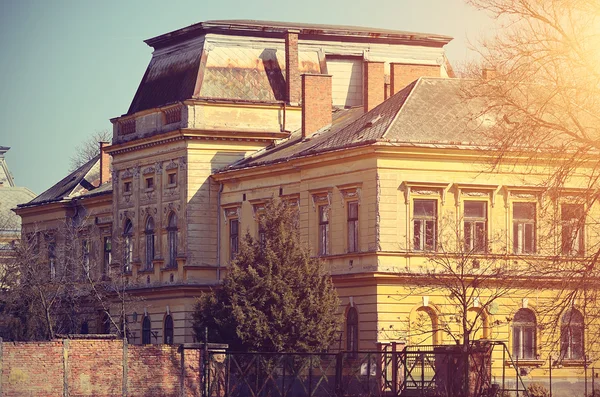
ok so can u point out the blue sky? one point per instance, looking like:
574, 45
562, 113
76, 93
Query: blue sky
67, 67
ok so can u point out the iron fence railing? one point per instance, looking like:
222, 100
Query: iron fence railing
414, 371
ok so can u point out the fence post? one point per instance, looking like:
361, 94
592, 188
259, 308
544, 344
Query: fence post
339, 360
593, 376
421, 357
206, 372
182, 363
1, 364
125, 369
65, 367
550, 372
395, 368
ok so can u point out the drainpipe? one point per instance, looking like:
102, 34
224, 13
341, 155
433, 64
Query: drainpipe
219, 231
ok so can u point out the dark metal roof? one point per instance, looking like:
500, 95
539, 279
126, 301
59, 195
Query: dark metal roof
429, 110
268, 27
78, 182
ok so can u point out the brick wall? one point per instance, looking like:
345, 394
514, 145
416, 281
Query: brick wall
316, 103
97, 367
402, 74
374, 84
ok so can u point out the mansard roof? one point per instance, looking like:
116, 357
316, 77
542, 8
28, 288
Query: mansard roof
244, 60
428, 111
81, 182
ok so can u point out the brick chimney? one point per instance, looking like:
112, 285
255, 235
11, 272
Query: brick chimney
402, 74
488, 73
104, 163
316, 103
374, 89
292, 73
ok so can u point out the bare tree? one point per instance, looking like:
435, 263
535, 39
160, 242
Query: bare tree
542, 92
55, 285
88, 149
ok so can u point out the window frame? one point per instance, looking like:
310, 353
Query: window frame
172, 239
568, 343
234, 238
352, 331
150, 243
423, 246
471, 243
573, 223
168, 330
128, 186
128, 233
146, 330
85, 258
148, 183
352, 223
323, 215
520, 328
106, 253
519, 243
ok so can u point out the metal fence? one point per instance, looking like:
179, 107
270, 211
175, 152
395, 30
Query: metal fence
415, 371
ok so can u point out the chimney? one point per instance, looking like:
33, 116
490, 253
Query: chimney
292, 73
488, 73
373, 91
402, 74
316, 103
104, 163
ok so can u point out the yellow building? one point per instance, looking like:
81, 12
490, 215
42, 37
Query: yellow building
230, 114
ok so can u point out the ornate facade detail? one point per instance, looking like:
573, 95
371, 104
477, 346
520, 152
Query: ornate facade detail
182, 163
136, 171
127, 126
149, 170
158, 166
172, 115
350, 193
127, 174
172, 165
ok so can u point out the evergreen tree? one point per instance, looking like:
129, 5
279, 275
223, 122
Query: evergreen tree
275, 297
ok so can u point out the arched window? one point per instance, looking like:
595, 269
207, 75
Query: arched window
424, 327
85, 328
104, 326
168, 330
478, 324
524, 335
150, 239
127, 245
571, 335
352, 330
172, 239
146, 330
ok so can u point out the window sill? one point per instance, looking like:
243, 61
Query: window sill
525, 363
572, 363
148, 190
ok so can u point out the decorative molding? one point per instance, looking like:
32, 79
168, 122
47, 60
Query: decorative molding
426, 189
182, 163
321, 196
172, 165
127, 127
475, 190
149, 170
127, 174
350, 193
172, 115
136, 171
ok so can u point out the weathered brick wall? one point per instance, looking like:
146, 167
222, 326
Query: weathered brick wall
34, 369
96, 367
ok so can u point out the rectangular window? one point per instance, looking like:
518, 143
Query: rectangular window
234, 226
323, 229
352, 226
475, 226
85, 259
127, 187
52, 259
107, 255
424, 225
172, 178
524, 228
150, 183
572, 219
